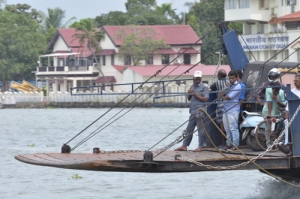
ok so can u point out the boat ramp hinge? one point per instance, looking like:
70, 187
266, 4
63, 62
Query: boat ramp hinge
176, 157
65, 149
148, 156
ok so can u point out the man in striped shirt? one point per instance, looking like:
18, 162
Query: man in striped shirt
219, 86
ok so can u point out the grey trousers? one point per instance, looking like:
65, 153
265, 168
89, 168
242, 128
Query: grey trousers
269, 142
194, 121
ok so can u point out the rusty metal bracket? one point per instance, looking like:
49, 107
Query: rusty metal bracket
176, 157
148, 156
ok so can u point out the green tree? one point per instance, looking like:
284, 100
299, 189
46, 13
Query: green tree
138, 43
209, 13
83, 22
167, 10
140, 3
89, 37
112, 18
21, 42
143, 12
53, 20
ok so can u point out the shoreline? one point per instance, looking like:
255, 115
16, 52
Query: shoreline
42, 105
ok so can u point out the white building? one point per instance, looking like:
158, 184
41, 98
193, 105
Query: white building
71, 65
268, 27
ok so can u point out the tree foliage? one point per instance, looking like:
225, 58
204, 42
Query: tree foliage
21, 42
89, 37
112, 18
138, 43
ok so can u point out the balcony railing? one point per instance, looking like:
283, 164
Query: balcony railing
62, 68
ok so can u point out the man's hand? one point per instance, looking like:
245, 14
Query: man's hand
222, 93
274, 97
191, 91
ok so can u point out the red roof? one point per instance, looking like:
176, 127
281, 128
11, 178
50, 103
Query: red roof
188, 51
295, 16
171, 34
119, 68
102, 79
151, 70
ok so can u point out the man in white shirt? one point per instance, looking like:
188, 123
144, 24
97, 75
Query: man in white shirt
296, 91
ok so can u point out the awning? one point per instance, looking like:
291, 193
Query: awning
274, 20
58, 54
110, 79
188, 51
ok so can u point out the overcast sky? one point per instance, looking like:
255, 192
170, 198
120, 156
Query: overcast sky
90, 8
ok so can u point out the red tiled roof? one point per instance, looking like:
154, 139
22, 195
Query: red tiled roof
188, 51
295, 16
119, 68
102, 79
171, 34
151, 70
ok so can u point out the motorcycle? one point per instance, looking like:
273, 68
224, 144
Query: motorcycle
253, 128
250, 121
277, 126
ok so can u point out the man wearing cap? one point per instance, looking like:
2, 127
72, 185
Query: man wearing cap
198, 95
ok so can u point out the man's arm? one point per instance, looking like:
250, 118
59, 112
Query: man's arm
203, 97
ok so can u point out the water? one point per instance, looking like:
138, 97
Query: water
45, 130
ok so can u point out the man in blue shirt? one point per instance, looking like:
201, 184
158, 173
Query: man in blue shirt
198, 95
231, 110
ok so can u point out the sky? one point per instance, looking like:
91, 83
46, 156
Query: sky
90, 8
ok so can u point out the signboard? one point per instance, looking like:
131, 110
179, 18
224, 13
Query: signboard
261, 42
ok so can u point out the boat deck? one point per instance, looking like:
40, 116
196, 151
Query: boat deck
133, 161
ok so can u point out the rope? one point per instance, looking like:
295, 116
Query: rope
138, 87
97, 130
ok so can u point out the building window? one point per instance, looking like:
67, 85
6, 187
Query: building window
165, 59
103, 60
262, 28
97, 60
244, 3
230, 4
112, 59
249, 29
274, 52
264, 4
149, 60
187, 58
291, 2
127, 60
284, 55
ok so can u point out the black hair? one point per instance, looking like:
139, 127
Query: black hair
232, 73
222, 73
239, 72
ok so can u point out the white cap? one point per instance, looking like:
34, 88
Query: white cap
197, 73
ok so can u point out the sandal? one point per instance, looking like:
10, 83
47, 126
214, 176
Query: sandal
182, 148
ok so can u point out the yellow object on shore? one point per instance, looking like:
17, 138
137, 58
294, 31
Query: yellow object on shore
24, 87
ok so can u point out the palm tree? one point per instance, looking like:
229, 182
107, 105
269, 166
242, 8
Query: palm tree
166, 9
89, 37
55, 18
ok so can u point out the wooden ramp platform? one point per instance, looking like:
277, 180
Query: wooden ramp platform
133, 161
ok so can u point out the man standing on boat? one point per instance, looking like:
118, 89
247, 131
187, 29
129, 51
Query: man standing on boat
296, 91
275, 100
198, 95
231, 110
220, 85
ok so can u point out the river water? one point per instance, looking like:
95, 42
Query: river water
45, 130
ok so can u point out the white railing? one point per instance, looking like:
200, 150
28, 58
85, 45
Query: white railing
106, 97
